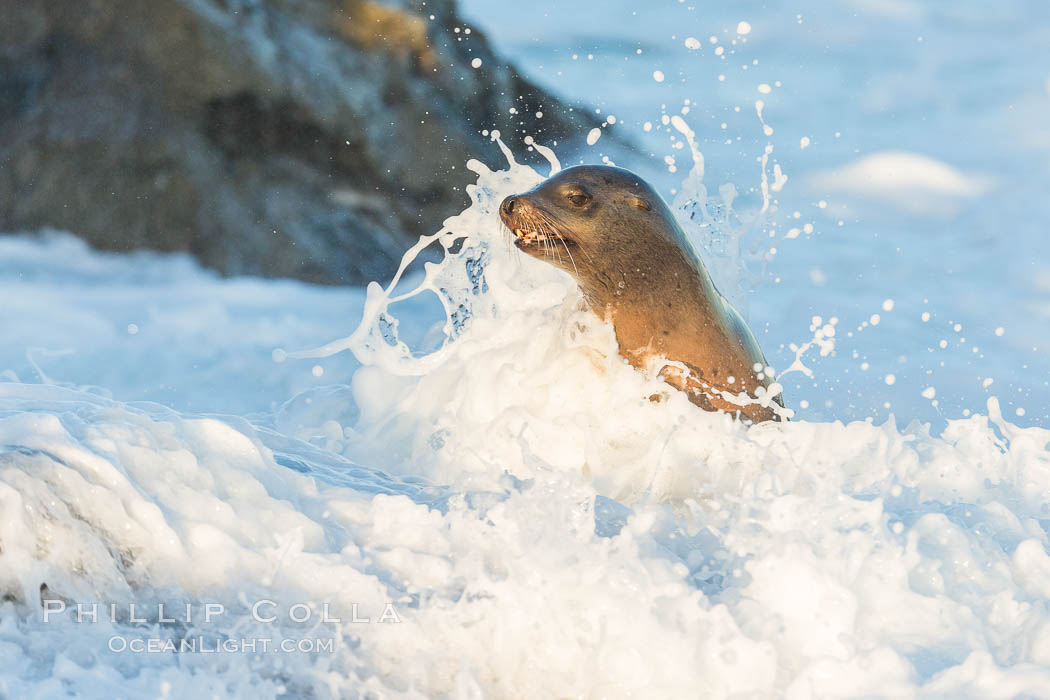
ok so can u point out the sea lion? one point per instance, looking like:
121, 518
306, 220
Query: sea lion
616, 236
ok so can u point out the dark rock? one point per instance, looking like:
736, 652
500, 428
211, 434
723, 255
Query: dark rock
299, 138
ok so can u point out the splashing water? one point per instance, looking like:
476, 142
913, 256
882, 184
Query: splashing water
588, 542
524, 378
726, 240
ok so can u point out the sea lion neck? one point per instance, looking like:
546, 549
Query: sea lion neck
660, 303
654, 267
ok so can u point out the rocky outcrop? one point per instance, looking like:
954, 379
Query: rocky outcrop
297, 138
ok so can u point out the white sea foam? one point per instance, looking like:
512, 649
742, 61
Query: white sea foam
911, 181
540, 527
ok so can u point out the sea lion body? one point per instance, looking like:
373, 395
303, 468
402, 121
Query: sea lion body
616, 236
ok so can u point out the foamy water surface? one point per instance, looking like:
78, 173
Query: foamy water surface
471, 495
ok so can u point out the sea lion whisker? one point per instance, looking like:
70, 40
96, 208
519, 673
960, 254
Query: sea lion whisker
530, 222
536, 228
550, 221
558, 237
544, 224
504, 228
553, 225
544, 230
552, 238
556, 231
569, 253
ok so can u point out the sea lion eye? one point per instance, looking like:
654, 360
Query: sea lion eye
579, 198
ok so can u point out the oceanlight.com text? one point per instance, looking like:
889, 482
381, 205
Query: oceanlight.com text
119, 644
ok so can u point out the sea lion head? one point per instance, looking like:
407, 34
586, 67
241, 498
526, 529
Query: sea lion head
595, 222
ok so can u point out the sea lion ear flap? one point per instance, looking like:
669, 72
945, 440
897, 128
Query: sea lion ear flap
639, 202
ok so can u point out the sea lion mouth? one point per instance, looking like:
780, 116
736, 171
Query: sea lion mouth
537, 233
532, 226
525, 237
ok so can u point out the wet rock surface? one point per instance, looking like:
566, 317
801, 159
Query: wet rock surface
310, 139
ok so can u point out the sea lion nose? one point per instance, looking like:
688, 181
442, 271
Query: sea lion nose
507, 207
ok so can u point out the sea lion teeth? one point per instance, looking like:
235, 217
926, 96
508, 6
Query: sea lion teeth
640, 272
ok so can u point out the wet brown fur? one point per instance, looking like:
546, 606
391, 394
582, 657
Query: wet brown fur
614, 234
